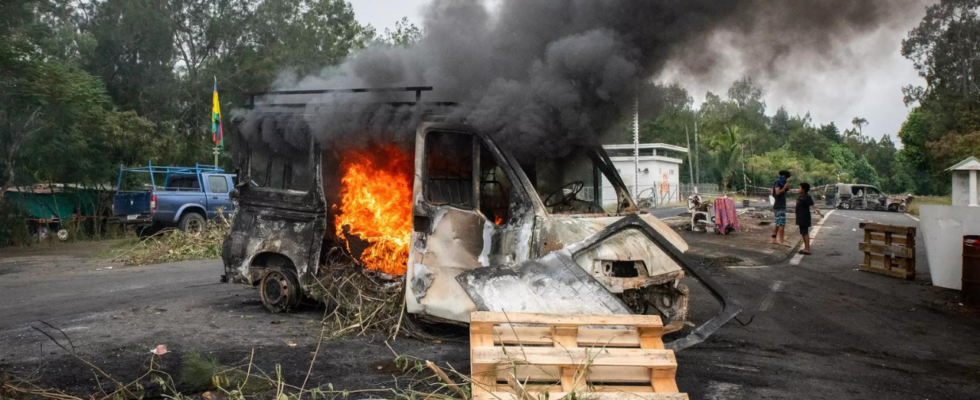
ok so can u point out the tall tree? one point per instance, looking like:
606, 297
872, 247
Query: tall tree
945, 50
859, 124
726, 149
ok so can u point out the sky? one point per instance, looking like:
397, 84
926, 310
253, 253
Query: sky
866, 81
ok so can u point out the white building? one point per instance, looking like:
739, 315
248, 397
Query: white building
965, 182
658, 172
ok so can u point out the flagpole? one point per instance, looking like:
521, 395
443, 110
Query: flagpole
216, 148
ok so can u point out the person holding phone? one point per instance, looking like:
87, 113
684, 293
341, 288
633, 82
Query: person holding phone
779, 189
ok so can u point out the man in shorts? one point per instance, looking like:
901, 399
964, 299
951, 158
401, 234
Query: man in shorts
803, 205
779, 189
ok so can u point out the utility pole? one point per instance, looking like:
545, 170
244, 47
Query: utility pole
745, 178
690, 165
636, 145
697, 154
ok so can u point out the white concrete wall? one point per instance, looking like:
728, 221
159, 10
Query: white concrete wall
652, 170
943, 228
961, 187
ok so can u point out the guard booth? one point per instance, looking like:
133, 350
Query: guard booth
945, 228
965, 182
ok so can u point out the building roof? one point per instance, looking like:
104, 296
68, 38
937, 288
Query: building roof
646, 146
969, 164
647, 158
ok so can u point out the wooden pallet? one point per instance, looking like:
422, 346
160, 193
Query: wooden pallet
889, 250
529, 356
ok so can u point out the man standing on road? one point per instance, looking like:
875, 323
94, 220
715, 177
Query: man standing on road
779, 189
803, 205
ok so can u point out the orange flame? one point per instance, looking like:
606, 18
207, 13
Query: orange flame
376, 204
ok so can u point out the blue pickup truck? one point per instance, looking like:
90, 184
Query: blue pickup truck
154, 197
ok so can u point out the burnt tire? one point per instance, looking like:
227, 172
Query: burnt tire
280, 290
191, 222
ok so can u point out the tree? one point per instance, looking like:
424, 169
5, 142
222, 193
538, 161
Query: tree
808, 141
915, 133
831, 132
859, 124
670, 114
943, 49
780, 125
726, 149
161, 59
953, 148
863, 172
765, 167
404, 35
53, 115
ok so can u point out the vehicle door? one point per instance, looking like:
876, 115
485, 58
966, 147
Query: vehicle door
830, 195
216, 192
874, 199
471, 209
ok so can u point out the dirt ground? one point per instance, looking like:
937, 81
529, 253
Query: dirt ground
813, 327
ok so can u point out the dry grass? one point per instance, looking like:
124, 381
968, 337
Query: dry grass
360, 301
928, 201
172, 245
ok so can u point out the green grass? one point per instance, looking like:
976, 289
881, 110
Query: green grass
198, 374
928, 201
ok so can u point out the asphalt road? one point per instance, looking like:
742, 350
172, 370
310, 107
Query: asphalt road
815, 327
667, 212
818, 328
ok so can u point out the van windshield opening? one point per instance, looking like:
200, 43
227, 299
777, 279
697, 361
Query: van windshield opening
573, 184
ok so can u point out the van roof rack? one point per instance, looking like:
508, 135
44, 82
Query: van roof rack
417, 89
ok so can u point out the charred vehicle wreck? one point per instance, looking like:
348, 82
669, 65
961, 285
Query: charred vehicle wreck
460, 223
865, 197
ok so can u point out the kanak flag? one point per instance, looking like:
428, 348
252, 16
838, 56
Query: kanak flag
216, 132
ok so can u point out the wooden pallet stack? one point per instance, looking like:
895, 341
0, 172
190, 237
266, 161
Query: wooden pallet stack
539, 356
889, 250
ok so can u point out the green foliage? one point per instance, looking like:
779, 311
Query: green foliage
725, 151
863, 172
175, 245
199, 374
939, 130
739, 123
404, 35
13, 230
161, 59
929, 201
803, 168
953, 148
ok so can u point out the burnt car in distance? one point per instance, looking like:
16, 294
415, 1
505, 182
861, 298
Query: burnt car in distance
487, 232
853, 196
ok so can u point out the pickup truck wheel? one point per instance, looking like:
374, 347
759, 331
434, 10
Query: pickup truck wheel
280, 290
192, 223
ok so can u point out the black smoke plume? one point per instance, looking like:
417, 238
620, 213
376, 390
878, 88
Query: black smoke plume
541, 76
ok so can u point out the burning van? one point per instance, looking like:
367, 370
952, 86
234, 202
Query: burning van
462, 224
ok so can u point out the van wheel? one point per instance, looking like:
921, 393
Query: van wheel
280, 290
192, 223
